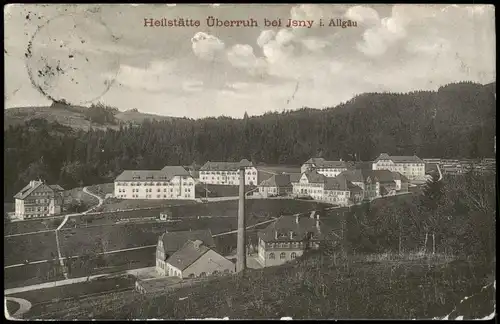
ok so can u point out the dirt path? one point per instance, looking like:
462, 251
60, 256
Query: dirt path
24, 306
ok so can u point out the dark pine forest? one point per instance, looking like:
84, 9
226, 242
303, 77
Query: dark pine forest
457, 121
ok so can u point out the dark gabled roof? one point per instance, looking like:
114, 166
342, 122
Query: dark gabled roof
322, 163
151, 175
188, 254
32, 186
341, 183
27, 190
385, 176
287, 224
225, 166
314, 161
174, 170
314, 177
401, 177
277, 180
56, 187
356, 175
295, 177
399, 159
363, 165
173, 241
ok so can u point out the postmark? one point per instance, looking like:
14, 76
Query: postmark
76, 67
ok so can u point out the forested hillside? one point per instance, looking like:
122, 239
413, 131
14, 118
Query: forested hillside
457, 121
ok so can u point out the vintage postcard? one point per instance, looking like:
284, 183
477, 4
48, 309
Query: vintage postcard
249, 161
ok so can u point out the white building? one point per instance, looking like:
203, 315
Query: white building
289, 237
227, 173
171, 182
411, 167
195, 259
336, 190
327, 168
38, 199
311, 183
278, 185
170, 242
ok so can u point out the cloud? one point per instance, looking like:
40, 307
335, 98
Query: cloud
265, 36
192, 85
315, 44
395, 48
207, 47
158, 76
243, 57
409, 21
284, 37
363, 15
307, 12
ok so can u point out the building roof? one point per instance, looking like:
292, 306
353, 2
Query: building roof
175, 170
322, 163
356, 175
383, 176
295, 177
399, 159
56, 187
341, 183
173, 241
277, 180
286, 224
152, 175
32, 186
363, 165
188, 254
225, 166
314, 177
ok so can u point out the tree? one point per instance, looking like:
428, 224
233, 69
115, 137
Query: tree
404, 124
6, 219
435, 206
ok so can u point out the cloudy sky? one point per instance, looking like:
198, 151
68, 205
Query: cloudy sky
89, 53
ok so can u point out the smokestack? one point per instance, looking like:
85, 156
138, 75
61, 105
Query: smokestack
241, 262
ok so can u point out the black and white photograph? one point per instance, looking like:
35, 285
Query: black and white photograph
249, 161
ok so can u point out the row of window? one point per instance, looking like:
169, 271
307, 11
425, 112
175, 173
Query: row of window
42, 193
32, 209
224, 178
285, 244
158, 190
34, 215
227, 172
293, 255
184, 183
213, 181
37, 201
305, 182
149, 196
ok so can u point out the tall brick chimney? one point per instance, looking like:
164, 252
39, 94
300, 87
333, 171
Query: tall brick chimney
241, 262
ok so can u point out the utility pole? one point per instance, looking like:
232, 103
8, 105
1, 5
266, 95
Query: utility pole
241, 262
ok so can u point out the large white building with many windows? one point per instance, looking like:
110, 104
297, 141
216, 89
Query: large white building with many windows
411, 167
336, 190
227, 173
322, 166
171, 182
